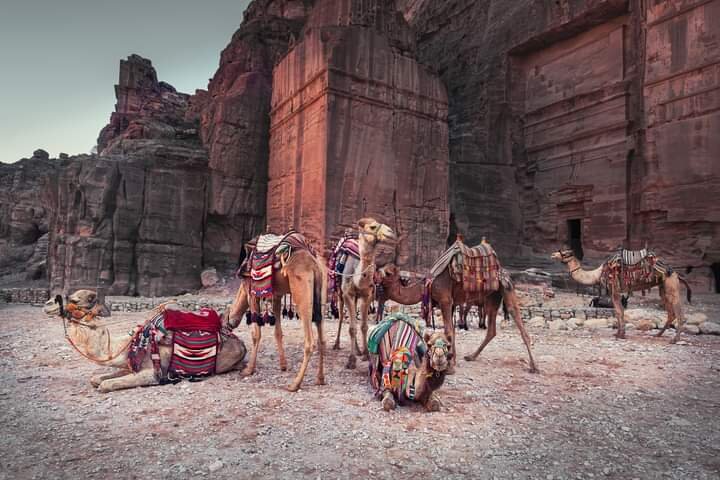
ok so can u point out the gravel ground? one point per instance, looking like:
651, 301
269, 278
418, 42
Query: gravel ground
600, 408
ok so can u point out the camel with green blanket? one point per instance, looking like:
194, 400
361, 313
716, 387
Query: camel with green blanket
407, 362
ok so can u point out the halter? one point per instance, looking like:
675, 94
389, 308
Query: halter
439, 344
67, 317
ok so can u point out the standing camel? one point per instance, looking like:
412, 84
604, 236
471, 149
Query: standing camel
301, 275
445, 291
94, 342
618, 277
357, 285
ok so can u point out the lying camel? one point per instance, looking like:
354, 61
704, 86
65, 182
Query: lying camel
94, 342
400, 371
668, 283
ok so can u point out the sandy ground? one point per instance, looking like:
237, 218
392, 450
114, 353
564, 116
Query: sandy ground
600, 408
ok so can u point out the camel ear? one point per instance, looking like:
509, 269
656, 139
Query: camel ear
362, 222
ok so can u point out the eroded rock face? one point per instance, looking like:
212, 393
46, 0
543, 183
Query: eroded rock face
359, 128
585, 122
235, 125
26, 189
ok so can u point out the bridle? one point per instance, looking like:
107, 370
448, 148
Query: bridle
66, 313
566, 256
439, 344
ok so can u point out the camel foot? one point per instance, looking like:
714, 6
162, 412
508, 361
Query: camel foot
620, 336
469, 358
283, 367
533, 369
350, 365
674, 340
433, 405
660, 333
320, 381
95, 382
247, 371
294, 387
388, 402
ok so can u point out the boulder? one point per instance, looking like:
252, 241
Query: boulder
595, 323
209, 278
710, 328
537, 322
691, 329
695, 318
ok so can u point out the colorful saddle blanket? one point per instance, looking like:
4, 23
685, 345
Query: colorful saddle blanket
628, 270
477, 268
346, 247
396, 347
195, 337
194, 354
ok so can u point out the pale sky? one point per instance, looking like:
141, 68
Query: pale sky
59, 62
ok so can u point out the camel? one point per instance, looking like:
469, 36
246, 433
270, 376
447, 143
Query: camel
426, 379
446, 292
668, 285
302, 277
94, 342
357, 285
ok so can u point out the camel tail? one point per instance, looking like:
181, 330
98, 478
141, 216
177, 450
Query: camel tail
317, 296
687, 286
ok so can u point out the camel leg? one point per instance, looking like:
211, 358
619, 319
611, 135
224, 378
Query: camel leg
96, 380
238, 308
449, 328
350, 301
143, 378
256, 336
511, 302
341, 314
620, 312
672, 299
279, 334
481, 315
321, 351
363, 303
670, 312
489, 335
305, 307
388, 401
432, 404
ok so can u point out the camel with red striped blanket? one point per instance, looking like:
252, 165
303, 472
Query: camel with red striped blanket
94, 341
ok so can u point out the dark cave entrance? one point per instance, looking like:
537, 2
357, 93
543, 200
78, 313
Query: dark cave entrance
715, 269
574, 229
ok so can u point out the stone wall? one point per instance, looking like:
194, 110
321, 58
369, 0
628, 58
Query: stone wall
35, 296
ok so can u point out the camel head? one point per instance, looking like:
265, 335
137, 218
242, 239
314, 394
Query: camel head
564, 254
438, 350
373, 231
82, 301
389, 271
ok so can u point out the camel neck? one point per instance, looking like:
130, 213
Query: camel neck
98, 345
365, 270
583, 277
404, 295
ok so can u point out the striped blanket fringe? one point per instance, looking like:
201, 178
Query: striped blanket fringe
396, 347
627, 270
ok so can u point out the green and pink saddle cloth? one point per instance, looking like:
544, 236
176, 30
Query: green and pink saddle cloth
396, 349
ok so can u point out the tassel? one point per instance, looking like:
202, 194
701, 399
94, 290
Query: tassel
285, 312
291, 313
270, 320
248, 318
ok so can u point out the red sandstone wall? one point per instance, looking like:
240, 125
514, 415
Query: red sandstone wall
358, 128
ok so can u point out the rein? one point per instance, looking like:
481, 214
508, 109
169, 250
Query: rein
66, 316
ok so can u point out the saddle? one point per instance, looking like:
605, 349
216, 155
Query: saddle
194, 337
346, 247
629, 270
477, 268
